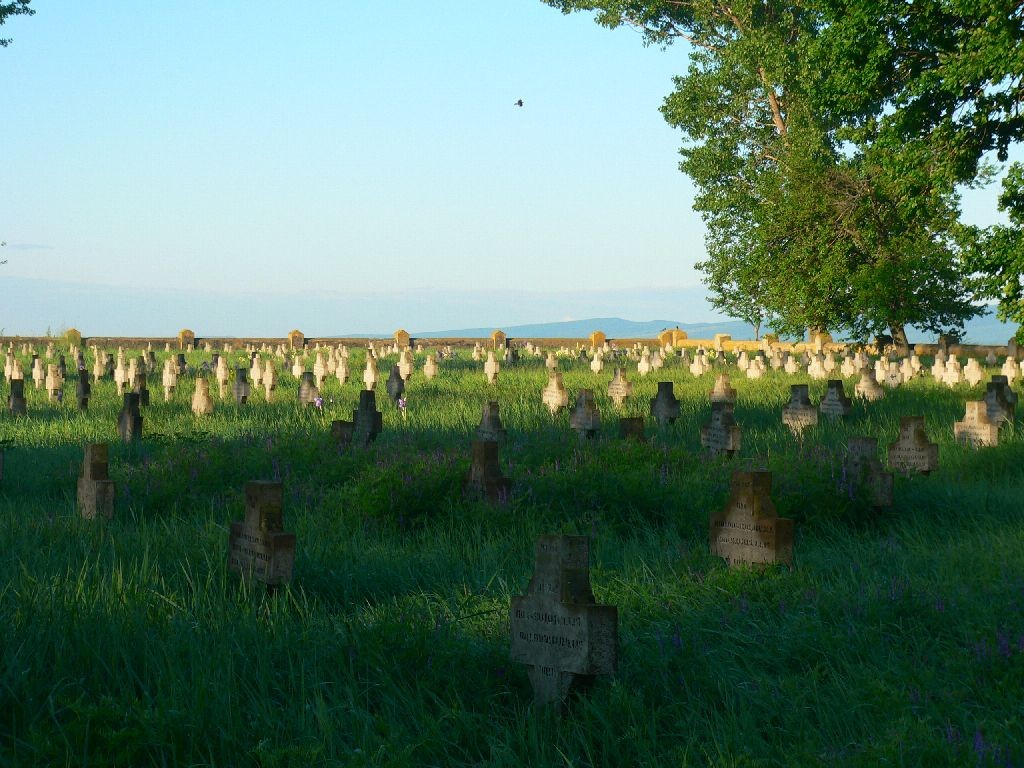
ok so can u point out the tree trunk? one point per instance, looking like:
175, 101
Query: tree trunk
757, 331
899, 339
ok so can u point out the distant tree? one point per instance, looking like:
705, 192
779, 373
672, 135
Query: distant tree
13, 8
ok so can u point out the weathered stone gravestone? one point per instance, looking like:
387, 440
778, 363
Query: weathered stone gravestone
308, 392
368, 420
1009, 370
319, 370
835, 404
430, 367
912, 451
863, 469
973, 372
723, 391
867, 388
747, 531
95, 488
370, 376
484, 477
54, 384
491, 368
619, 388
296, 340
298, 367
38, 373
644, 366
129, 420
799, 413
16, 402
558, 629
83, 390
585, 418
722, 435
186, 339
631, 428
258, 547
169, 379
402, 338
406, 364
976, 430
395, 385
202, 403
597, 364
1000, 400
240, 389
555, 396
140, 388
816, 369
490, 427
665, 405
269, 380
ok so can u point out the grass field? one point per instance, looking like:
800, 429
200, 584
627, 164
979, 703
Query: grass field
896, 639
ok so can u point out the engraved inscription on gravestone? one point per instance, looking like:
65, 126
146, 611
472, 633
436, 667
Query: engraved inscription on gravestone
863, 470
976, 429
835, 404
490, 427
619, 388
258, 546
557, 627
912, 451
585, 417
799, 413
747, 531
721, 435
484, 477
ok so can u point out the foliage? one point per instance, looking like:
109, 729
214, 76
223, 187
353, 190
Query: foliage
13, 8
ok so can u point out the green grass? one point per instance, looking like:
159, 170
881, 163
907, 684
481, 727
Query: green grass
896, 639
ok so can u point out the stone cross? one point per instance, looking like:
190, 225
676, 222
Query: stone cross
406, 364
665, 405
973, 372
585, 417
169, 379
368, 420
912, 451
619, 388
723, 391
308, 392
83, 390
1000, 400
491, 368
258, 546
430, 367
484, 477
370, 376
395, 385
868, 388
863, 469
202, 403
16, 402
721, 435
835, 404
558, 629
976, 429
54, 383
240, 389
798, 413
490, 427
269, 379
129, 420
747, 531
95, 488
555, 396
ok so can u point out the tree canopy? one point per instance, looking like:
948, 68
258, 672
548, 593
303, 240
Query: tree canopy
827, 141
13, 8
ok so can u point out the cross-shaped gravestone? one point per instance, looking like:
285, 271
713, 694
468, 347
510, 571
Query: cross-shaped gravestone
129, 420
491, 368
619, 388
723, 391
585, 418
912, 451
395, 385
721, 435
367, 418
868, 388
557, 627
240, 388
835, 404
747, 531
202, 403
976, 429
555, 396
16, 402
430, 367
95, 488
490, 427
83, 390
1000, 400
799, 413
665, 405
863, 470
484, 477
308, 392
258, 547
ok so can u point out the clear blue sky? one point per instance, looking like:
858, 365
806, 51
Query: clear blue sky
340, 147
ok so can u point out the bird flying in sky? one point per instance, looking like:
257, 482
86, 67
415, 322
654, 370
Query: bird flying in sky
518, 103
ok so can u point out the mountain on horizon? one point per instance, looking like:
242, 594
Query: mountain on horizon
613, 328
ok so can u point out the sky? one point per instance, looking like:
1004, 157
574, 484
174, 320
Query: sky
367, 155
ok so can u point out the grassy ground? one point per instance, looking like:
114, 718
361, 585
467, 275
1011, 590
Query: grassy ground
896, 639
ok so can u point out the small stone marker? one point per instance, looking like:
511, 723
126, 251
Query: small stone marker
555, 396
258, 547
557, 627
202, 403
83, 390
868, 387
585, 417
395, 385
169, 379
619, 388
1000, 400
140, 388
95, 488
912, 451
269, 380
430, 367
16, 402
484, 477
798, 413
240, 388
308, 392
491, 368
864, 469
747, 531
721, 435
976, 429
665, 405
367, 418
342, 432
129, 420
370, 376
835, 404
491, 427
54, 383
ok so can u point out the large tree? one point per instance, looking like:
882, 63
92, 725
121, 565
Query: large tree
826, 165
13, 8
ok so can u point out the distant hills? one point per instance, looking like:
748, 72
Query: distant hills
613, 327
